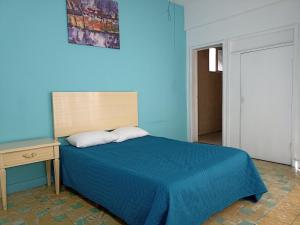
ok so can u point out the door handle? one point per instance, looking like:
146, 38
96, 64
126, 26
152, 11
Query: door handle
242, 99
29, 156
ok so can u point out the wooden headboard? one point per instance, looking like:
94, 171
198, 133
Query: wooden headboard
75, 112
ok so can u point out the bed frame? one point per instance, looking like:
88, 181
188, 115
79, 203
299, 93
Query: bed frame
75, 112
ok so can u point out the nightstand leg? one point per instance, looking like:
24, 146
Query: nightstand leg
48, 170
3, 188
56, 173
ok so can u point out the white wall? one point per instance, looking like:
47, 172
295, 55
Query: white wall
201, 12
213, 21
218, 27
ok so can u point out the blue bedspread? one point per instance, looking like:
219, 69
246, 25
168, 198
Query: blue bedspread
158, 181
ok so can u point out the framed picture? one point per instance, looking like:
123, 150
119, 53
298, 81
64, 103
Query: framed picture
94, 23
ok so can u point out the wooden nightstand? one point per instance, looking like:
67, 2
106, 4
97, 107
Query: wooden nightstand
26, 152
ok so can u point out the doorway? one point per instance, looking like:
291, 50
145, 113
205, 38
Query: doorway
210, 82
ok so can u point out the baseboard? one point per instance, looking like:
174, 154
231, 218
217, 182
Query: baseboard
11, 188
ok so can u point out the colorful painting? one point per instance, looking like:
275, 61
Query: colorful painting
94, 23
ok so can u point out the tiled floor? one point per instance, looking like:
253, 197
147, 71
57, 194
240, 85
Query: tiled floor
280, 206
212, 138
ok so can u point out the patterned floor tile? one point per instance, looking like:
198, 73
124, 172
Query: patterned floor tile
280, 206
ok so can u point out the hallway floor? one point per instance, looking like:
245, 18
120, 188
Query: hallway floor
212, 138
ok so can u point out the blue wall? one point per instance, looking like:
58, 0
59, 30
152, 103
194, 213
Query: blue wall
35, 60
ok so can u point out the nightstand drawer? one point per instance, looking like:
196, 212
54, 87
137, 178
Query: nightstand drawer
28, 156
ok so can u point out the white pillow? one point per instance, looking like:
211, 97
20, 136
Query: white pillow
126, 133
87, 139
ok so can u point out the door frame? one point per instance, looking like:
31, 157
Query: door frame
280, 37
229, 47
192, 90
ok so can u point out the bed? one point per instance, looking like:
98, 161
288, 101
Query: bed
149, 180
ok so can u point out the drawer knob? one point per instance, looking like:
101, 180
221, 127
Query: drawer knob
29, 156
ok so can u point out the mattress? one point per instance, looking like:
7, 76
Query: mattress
159, 181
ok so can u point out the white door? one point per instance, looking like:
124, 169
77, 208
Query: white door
266, 103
